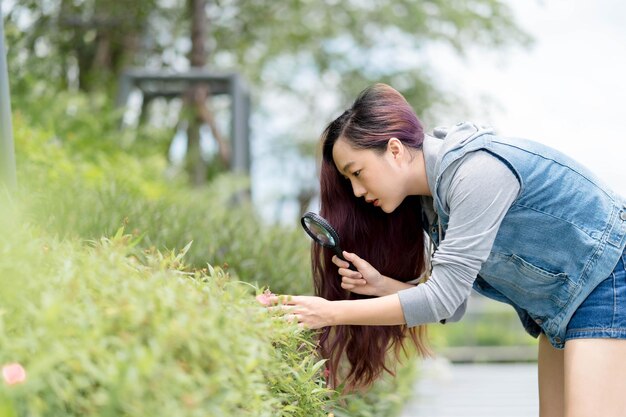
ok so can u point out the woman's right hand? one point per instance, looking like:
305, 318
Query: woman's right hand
366, 280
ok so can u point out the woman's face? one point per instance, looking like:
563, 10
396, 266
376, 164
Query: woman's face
375, 177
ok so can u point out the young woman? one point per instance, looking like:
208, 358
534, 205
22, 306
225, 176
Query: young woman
515, 220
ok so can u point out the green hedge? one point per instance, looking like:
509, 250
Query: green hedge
105, 329
127, 325
73, 190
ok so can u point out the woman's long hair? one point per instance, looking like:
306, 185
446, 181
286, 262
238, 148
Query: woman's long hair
393, 243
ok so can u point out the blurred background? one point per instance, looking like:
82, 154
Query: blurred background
548, 71
198, 120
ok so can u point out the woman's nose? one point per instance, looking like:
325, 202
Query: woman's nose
359, 190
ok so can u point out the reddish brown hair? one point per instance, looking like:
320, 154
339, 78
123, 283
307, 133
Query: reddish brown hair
393, 243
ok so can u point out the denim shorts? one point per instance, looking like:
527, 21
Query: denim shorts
603, 313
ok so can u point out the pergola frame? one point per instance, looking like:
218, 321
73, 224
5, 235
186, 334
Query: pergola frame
155, 84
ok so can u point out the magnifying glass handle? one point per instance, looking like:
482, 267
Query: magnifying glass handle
339, 254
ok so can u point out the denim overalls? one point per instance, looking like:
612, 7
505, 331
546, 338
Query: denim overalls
562, 236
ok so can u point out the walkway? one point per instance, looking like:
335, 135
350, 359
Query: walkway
447, 389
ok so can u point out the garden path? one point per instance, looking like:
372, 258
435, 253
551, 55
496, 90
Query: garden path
446, 389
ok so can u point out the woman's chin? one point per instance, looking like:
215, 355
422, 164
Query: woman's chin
386, 209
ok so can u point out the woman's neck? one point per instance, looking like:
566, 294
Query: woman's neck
418, 179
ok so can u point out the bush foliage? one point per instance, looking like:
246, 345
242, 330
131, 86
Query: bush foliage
158, 318
107, 329
74, 189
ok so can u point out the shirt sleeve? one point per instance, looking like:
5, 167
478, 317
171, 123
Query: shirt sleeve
481, 190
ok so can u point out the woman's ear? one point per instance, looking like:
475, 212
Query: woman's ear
395, 147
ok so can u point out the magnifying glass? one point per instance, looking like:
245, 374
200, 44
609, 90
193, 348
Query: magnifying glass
323, 233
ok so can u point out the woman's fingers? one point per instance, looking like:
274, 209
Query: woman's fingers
353, 282
349, 258
281, 308
282, 299
284, 307
355, 259
307, 311
292, 318
340, 263
348, 273
289, 313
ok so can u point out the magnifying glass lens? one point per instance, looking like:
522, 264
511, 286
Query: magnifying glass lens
323, 233
319, 233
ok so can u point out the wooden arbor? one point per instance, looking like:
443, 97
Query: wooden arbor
155, 84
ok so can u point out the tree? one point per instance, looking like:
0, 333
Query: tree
305, 53
196, 99
97, 38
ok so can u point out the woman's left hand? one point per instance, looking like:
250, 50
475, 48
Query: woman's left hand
308, 311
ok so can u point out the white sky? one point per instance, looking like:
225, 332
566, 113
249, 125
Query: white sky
568, 91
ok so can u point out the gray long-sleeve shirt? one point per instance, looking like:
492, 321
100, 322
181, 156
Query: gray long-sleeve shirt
479, 190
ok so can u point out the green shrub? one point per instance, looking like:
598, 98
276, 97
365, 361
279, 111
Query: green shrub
81, 192
387, 398
106, 329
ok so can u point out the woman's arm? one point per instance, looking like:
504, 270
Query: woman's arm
478, 190
392, 286
316, 312
380, 311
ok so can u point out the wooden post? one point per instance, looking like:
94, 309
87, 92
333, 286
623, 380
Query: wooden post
7, 150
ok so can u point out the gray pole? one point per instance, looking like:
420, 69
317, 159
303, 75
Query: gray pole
7, 151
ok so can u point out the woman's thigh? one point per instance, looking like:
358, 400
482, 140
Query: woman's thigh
595, 377
595, 351
550, 372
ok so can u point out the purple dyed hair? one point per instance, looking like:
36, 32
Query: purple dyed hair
393, 243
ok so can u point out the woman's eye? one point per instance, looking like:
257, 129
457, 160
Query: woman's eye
356, 173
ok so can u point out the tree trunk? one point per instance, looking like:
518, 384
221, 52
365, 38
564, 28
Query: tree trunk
199, 24
197, 97
196, 166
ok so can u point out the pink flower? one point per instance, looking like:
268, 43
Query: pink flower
13, 373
